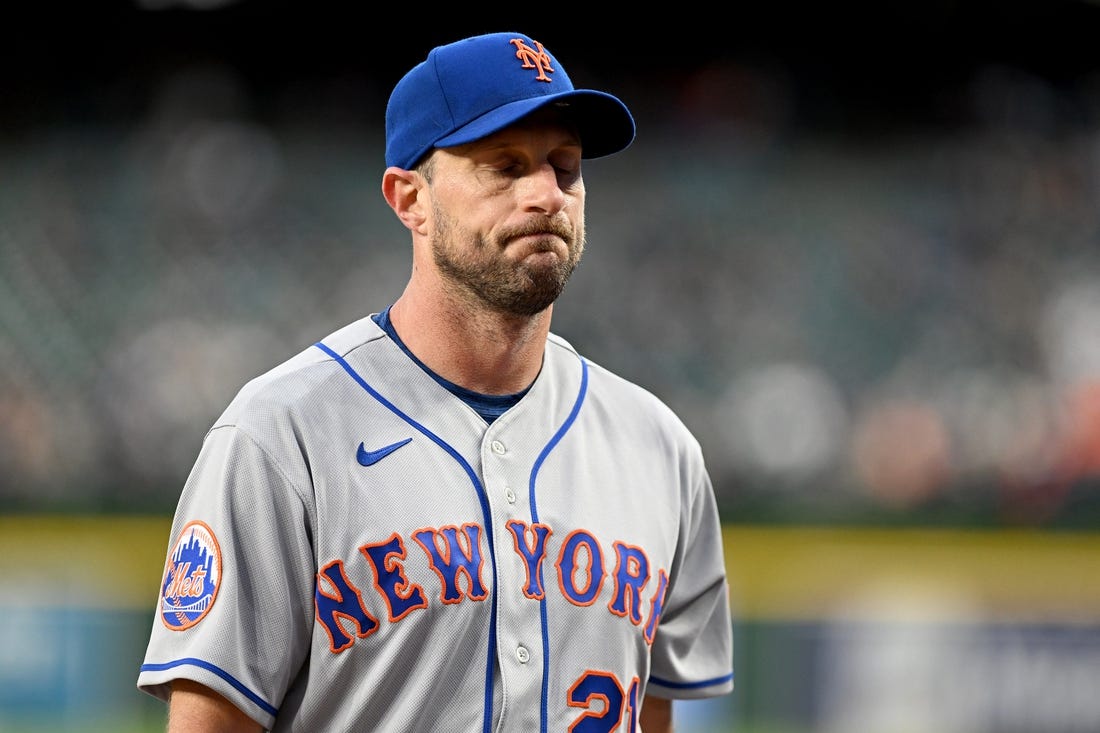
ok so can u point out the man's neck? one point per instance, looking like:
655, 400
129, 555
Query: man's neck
482, 351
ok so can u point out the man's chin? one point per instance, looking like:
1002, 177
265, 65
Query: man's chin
535, 299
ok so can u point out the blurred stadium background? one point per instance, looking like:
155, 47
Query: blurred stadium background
858, 251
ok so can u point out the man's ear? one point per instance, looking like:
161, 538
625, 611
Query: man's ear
402, 189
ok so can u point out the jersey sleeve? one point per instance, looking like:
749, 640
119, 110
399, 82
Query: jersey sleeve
692, 655
236, 600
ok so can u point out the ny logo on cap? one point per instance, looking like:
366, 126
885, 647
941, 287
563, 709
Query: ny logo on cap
533, 59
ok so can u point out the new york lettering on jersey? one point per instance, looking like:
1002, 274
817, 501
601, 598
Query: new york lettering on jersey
456, 556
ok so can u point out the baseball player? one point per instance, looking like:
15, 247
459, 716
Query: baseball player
441, 517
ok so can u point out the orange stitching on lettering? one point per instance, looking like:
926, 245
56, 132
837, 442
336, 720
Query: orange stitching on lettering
533, 59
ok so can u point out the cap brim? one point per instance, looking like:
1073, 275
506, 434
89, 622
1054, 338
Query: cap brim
603, 121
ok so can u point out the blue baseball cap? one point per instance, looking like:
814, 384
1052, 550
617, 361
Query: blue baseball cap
466, 90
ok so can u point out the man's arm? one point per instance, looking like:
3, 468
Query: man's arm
195, 708
656, 715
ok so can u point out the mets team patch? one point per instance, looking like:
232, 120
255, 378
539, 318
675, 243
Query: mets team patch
191, 577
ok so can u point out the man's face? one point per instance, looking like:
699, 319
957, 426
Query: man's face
508, 215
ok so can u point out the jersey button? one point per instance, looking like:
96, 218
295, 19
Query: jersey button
498, 447
523, 655
510, 495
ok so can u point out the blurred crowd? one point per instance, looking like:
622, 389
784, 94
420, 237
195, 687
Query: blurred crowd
900, 324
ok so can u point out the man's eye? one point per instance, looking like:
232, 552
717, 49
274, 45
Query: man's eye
566, 165
502, 171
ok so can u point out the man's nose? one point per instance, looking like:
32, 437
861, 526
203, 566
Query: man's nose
541, 190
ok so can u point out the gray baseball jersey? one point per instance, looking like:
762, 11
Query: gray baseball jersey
355, 549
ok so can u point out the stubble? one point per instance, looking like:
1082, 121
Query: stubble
480, 269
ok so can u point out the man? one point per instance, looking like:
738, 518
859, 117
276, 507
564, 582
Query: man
441, 517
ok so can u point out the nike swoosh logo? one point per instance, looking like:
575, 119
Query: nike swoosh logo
371, 457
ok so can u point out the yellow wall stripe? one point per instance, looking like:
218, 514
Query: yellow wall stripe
805, 573
776, 573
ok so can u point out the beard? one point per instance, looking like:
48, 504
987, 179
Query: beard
477, 267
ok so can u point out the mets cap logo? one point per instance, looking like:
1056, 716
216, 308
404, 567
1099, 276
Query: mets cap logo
191, 577
533, 58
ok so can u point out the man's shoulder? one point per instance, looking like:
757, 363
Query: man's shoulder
618, 390
297, 382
